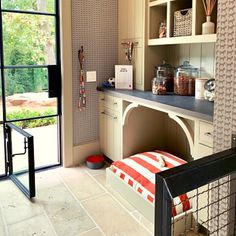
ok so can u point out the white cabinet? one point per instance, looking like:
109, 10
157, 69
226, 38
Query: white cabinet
110, 126
206, 133
131, 24
203, 139
131, 19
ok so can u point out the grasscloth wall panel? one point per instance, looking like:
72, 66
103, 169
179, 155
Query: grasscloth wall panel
225, 108
94, 25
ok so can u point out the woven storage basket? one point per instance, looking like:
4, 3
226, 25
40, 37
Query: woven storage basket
183, 22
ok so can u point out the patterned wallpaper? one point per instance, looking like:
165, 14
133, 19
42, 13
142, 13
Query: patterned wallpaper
225, 103
94, 25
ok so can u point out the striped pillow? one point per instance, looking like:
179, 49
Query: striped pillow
139, 172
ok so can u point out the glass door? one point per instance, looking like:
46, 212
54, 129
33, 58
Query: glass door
30, 90
20, 157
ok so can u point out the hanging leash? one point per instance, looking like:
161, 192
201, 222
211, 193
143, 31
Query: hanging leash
82, 95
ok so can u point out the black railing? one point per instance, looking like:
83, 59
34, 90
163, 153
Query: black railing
186, 178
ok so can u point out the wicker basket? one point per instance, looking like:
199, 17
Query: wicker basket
183, 22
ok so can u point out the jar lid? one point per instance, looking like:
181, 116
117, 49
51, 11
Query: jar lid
164, 66
186, 66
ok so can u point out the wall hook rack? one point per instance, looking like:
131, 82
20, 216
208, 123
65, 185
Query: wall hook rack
129, 48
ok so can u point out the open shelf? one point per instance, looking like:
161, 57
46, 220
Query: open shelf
153, 3
164, 10
157, 14
208, 38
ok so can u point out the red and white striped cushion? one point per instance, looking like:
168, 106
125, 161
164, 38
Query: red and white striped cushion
139, 172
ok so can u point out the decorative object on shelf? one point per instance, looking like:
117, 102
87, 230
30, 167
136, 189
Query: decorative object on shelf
168, 73
159, 83
129, 49
184, 81
124, 76
209, 93
162, 30
110, 83
208, 27
183, 22
199, 87
82, 95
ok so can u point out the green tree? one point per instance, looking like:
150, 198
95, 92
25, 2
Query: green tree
35, 5
28, 40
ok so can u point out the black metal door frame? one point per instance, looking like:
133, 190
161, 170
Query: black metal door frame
7, 125
29, 145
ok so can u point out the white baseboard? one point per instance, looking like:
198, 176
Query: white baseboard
81, 152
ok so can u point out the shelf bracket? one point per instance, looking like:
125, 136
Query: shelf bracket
127, 112
187, 130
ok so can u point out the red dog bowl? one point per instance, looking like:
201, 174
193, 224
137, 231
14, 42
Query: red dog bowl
95, 162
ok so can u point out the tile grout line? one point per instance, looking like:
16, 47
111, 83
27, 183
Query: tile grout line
93, 197
4, 221
81, 234
50, 223
78, 201
119, 202
28, 218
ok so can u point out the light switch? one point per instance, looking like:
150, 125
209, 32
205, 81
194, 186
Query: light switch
91, 76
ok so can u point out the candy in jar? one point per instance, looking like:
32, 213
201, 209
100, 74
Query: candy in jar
184, 80
159, 84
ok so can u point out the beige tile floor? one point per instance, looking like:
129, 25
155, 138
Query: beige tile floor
69, 202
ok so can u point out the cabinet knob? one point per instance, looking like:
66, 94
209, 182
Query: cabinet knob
208, 134
115, 103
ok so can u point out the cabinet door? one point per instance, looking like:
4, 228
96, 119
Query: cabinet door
102, 130
138, 65
138, 18
110, 126
117, 151
131, 18
109, 135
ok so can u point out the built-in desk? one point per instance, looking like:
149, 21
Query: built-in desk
148, 121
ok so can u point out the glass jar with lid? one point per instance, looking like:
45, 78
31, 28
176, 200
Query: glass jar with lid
159, 83
184, 80
167, 71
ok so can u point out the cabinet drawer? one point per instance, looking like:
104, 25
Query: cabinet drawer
117, 104
206, 133
110, 114
203, 151
110, 102
106, 100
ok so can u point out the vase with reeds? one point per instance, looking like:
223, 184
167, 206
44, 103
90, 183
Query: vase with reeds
208, 27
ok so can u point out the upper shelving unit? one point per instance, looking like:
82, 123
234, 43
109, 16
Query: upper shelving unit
164, 10
210, 38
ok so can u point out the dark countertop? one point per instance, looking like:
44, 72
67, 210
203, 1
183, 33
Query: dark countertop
186, 105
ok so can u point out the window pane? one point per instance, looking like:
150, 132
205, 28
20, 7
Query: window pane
46, 144
27, 94
47, 6
20, 161
28, 39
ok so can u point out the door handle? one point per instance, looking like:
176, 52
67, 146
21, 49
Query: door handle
54, 81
